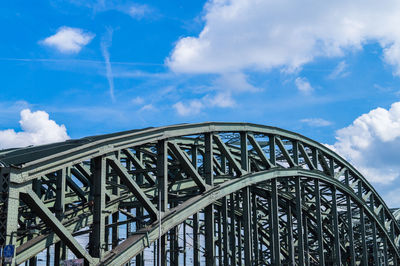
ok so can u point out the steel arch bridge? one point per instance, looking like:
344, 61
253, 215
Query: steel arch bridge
208, 193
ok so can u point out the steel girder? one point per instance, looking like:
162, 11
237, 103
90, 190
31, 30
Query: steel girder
212, 193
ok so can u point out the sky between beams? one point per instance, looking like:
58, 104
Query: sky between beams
329, 71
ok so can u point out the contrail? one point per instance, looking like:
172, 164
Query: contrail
53, 60
105, 45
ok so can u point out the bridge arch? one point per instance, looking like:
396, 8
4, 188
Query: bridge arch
244, 192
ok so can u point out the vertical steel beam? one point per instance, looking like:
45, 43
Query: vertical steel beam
248, 243
233, 231
271, 228
393, 236
162, 182
99, 183
115, 231
272, 150
223, 164
306, 247
299, 214
290, 234
315, 157
184, 243
385, 251
173, 243
48, 256
248, 249
318, 215
220, 257
107, 233
336, 227
196, 242
240, 242
10, 199
37, 188
244, 154
362, 229
226, 249
139, 210
59, 207
295, 152
351, 259
209, 210
363, 237
275, 224
255, 229
374, 232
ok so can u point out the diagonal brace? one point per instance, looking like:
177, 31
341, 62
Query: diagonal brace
340, 173
259, 151
285, 153
187, 165
224, 149
140, 165
306, 157
133, 187
33, 201
81, 194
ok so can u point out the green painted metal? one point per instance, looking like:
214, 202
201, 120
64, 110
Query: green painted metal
251, 194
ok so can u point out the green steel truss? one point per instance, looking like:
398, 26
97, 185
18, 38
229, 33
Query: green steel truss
191, 194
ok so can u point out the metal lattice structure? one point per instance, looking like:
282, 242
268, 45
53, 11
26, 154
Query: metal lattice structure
209, 193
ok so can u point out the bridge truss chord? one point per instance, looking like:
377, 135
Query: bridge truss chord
192, 194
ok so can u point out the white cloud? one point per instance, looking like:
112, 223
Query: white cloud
303, 85
192, 108
223, 99
392, 198
37, 129
234, 82
316, 122
392, 56
219, 94
339, 71
148, 108
254, 34
69, 40
135, 10
138, 11
372, 144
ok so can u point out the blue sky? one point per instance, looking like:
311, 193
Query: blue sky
329, 71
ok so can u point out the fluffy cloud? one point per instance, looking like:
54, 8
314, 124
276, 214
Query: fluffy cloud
243, 34
138, 11
372, 143
193, 107
220, 94
68, 40
316, 122
303, 85
37, 129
